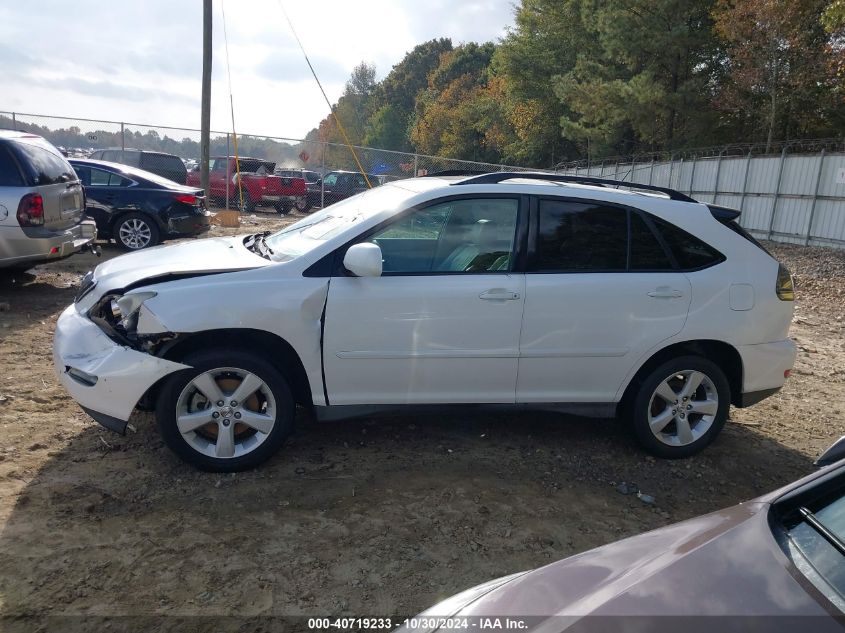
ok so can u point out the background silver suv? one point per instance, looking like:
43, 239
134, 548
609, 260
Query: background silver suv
42, 203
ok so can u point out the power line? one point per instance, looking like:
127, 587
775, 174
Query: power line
328, 103
232, 109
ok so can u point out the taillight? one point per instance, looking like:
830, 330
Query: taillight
784, 288
187, 198
31, 210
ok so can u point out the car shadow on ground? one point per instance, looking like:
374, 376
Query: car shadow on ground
376, 516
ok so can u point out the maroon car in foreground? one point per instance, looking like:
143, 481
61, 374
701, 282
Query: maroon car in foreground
776, 563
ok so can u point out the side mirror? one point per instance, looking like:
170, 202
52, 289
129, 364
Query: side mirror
832, 454
363, 260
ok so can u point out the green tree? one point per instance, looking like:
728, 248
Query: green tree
458, 116
546, 39
644, 81
395, 98
782, 81
387, 128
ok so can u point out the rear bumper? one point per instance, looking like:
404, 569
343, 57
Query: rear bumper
273, 199
750, 398
765, 368
188, 225
39, 244
105, 378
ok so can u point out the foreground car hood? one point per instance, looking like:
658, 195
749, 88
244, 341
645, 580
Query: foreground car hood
725, 563
212, 255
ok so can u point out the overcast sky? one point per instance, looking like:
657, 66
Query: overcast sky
141, 60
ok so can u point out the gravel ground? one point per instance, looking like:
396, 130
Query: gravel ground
370, 517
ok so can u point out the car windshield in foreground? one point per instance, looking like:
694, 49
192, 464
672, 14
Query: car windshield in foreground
307, 234
817, 530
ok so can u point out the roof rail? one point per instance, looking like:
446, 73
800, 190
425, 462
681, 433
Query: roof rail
499, 176
455, 172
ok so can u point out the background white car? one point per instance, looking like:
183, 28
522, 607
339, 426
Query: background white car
531, 290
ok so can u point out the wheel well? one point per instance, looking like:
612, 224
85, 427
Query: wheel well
273, 348
721, 353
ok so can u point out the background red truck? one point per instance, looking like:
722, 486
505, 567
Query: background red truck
260, 186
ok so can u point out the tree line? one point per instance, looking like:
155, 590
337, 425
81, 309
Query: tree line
576, 79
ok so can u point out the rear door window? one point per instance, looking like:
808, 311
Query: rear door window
646, 251
10, 175
43, 163
102, 178
581, 237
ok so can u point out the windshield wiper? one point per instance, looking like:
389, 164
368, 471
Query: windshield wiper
823, 530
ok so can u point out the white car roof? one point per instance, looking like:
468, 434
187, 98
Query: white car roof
17, 134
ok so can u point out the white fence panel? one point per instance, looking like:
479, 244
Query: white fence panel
794, 198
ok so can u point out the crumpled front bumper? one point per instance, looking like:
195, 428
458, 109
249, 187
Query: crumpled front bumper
105, 378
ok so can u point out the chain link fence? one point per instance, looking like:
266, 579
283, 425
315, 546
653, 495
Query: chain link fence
154, 148
795, 195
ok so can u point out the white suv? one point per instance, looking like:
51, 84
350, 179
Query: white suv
532, 290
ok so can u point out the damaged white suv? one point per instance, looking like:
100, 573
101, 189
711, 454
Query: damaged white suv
532, 290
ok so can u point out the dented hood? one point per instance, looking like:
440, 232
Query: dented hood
212, 255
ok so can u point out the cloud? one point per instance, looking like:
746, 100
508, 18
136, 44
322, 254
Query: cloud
142, 61
289, 65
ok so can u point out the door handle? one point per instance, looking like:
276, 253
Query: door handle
499, 295
664, 292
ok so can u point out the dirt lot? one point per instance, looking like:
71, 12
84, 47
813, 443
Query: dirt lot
372, 517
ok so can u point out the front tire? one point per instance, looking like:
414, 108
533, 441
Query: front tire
680, 407
135, 231
229, 412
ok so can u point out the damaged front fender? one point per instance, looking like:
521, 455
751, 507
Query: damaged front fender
102, 375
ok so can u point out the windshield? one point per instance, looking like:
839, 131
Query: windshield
816, 529
309, 233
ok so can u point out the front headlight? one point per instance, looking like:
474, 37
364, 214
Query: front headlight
128, 305
119, 313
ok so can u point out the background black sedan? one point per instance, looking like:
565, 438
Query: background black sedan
138, 209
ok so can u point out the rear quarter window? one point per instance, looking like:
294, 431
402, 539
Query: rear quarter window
690, 252
42, 163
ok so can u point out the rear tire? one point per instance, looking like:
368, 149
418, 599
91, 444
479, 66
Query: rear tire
201, 419
302, 204
282, 208
680, 407
135, 232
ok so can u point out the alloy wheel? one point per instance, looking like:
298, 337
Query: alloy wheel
683, 407
226, 412
135, 233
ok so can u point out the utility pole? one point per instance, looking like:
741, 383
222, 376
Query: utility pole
205, 123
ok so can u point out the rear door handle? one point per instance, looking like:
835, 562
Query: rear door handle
499, 295
664, 292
